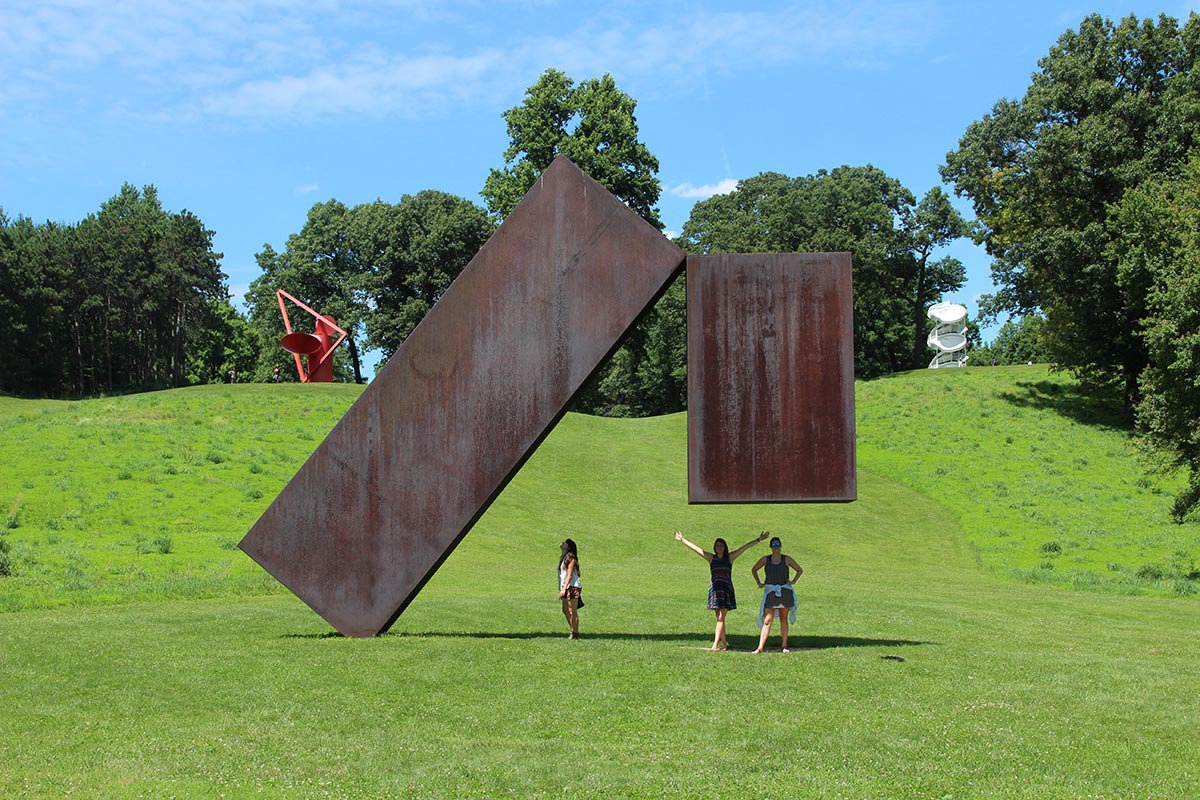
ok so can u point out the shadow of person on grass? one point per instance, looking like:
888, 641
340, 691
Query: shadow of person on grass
698, 639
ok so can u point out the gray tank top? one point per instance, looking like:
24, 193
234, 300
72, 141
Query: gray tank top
777, 573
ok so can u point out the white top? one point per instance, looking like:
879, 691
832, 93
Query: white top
575, 579
947, 313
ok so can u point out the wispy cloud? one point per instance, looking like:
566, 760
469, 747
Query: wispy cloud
308, 188
704, 191
279, 61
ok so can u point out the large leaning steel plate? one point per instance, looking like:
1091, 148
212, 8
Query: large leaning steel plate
770, 378
459, 408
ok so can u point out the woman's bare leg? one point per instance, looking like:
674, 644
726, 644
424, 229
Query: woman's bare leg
573, 616
566, 609
783, 626
768, 618
719, 635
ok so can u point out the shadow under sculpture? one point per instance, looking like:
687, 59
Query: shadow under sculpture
477, 386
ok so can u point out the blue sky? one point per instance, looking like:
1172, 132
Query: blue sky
247, 112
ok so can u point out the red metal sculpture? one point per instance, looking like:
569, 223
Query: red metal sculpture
484, 377
315, 347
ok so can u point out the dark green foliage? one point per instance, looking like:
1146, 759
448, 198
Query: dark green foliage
1109, 107
112, 303
320, 267
593, 124
377, 268
1157, 252
855, 209
1018, 342
411, 251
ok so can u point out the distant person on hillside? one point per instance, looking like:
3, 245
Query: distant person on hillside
778, 594
275, 375
721, 598
570, 586
232, 376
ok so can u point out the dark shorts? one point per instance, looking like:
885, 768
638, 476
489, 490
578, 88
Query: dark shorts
575, 593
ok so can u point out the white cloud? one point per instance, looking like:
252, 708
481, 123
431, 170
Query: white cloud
671, 234
283, 60
308, 188
705, 191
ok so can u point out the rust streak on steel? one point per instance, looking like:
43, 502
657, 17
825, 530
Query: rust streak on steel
770, 378
459, 408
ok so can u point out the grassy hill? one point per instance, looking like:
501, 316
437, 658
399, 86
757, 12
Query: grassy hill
1008, 688
145, 496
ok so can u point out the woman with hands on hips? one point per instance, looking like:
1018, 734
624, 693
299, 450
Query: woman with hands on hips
778, 594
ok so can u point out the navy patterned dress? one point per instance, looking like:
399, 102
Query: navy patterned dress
720, 591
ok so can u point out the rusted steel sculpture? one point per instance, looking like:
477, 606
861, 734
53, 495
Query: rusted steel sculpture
482, 380
315, 347
452, 416
770, 378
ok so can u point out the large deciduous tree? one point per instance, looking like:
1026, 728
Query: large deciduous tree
412, 251
593, 124
1110, 106
319, 266
857, 209
1157, 251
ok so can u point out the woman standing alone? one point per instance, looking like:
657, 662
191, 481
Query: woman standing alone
721, 598
570, 585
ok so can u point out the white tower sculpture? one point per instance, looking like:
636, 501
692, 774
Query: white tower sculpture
949, 335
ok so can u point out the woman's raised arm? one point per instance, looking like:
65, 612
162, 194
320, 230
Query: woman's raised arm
733, 556
700, 551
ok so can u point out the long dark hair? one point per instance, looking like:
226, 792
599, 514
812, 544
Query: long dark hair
572, 552
723, 543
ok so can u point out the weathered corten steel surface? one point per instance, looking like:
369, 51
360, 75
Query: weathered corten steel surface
452, 416
770, 378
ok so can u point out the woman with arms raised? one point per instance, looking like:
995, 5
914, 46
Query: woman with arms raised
721, 598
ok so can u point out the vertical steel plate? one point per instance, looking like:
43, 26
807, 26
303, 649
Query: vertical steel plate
452, 416
770, 378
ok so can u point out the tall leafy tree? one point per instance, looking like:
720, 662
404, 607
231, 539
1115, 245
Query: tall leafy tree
1157, 249
1110, 106
320, 267
857, 209
593, 124
411, 251
932, 224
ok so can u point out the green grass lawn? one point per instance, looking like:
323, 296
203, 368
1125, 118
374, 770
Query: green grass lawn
1009, 687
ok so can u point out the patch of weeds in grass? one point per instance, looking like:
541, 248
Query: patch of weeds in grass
7, 567
163, 544
125, 475
27, 484
12, 520
253, 494
255, 469
171, 469
213, 457
1052, 548
1151, 572
227, 544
